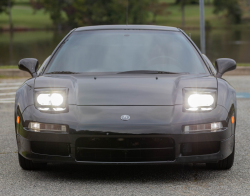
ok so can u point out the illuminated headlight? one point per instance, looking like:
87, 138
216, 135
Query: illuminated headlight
51, 100
213, 127
199, 99
41, 127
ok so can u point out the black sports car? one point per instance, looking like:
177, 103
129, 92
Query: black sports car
126, 94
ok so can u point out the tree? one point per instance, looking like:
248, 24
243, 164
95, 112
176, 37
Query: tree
54, 8
188, 1
158, 8
232, 8
5, 6
89, 12
245, 5
183, 3
98, 12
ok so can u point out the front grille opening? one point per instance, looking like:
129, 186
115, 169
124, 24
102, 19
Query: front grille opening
51, 148
124, 149
199, 148
119, 142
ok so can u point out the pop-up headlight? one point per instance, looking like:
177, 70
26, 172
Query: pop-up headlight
51, 100
199, 99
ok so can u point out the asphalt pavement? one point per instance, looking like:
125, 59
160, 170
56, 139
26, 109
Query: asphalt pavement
64, 179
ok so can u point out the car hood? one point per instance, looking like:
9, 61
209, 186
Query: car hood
133, 89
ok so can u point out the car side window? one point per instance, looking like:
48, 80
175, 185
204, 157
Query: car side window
210, 64
43, 66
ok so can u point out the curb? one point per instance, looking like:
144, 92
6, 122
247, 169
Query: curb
14, 73
239, 71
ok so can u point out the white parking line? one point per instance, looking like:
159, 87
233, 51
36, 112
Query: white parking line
6, 94
9, 88
11, 84
8, 91
7, 101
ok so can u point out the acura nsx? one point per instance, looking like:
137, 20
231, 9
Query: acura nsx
126, 94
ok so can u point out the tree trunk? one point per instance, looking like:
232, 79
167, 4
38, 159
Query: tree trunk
10, 18
154, 18
59, 27
183, 13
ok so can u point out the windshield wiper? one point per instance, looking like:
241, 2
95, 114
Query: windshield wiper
62, 72
148, 72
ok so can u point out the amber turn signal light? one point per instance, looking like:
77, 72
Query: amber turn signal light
232, 119
17, 119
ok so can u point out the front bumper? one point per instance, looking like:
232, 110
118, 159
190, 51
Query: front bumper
224, 138
225, 149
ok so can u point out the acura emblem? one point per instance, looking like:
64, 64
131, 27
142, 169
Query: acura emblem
125, 117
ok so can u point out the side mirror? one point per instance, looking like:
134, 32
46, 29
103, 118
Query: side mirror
30, 65
223, 65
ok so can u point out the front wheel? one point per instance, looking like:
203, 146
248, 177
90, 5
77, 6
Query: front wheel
224, 164
28, 164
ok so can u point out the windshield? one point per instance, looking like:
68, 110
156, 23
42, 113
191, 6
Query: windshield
127, 50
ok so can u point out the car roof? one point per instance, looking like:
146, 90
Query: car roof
127, 27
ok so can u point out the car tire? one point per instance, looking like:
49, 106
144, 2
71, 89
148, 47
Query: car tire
28, 164
223, 164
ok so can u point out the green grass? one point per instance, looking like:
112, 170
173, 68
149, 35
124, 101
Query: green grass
22, 2
27, 37
11, 77
192, 19
24, 16
9, 67
243, 64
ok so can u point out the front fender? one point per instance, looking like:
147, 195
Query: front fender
24, 95
226, 95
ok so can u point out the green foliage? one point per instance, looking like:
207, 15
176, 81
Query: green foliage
54, 8
23, 17
22, 2
158, 8
183, 3
232, 8
186, 2
98, 12
4, 5
92, 12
